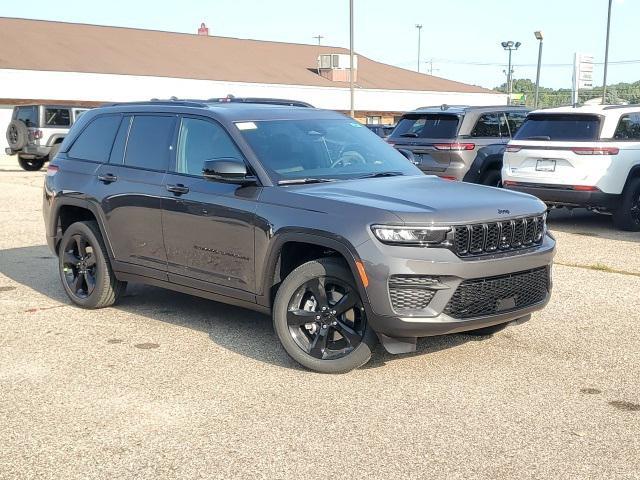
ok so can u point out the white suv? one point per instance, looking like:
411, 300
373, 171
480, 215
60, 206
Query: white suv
580, 157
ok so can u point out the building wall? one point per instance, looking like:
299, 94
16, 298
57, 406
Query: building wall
59, 86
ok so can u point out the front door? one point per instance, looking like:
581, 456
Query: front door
208, 226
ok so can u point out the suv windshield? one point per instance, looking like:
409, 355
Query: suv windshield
555, 127
432, 125
321, 148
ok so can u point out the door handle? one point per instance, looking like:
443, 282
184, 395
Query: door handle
107, 178
178, 189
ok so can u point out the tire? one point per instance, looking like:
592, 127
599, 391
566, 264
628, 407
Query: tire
321, 337
17, 134
627, 217
82, 258
30, 165
486, 331
492, 178
54, 151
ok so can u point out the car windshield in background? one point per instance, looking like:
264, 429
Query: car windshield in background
322, 149
558, 127
427, 126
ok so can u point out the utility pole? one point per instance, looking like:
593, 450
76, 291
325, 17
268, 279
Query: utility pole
351, 56
539, 37
606, 57
318, 37
510, 46
419, 27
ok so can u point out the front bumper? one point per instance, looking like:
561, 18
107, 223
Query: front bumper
451, 271
566, 197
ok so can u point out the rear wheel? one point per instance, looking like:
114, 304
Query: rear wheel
320, 320
492, 178
30, 164
85, 269
627, 216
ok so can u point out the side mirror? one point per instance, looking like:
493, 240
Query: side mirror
227, 170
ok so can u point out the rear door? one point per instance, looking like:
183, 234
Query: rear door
428, 136
208, 225
134, 181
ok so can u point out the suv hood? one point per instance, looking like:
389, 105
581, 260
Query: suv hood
420, 199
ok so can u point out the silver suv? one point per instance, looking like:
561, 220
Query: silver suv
36, 132
458, 142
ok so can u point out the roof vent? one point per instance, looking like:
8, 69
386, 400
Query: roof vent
203, 30
335, 67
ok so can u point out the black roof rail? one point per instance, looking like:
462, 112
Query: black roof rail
261, 100
155, 101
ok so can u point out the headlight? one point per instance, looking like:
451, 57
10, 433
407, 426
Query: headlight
420, 236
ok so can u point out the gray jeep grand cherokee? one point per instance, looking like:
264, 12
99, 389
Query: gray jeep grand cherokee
294, 211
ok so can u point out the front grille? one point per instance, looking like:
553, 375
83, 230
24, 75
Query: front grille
494, 295
409, 293
483, 238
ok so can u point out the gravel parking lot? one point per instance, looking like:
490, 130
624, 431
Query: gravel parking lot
169, 386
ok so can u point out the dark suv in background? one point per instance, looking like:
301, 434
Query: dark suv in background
458, 142
294, 211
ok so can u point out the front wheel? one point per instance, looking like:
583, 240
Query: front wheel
30, 165
320, 320
627, 216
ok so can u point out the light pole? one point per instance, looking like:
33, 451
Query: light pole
510, 46
606, 57
351, 56
539, 37
419, 27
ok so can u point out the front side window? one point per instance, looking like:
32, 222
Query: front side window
149, 141
28, 115
431, 125
95, 141
57, 117
488, 125
322, 148
559, 127
628, 127
202, 140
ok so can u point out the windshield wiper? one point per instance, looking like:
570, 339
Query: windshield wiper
539, 137
303, 181
381, 174
409, 134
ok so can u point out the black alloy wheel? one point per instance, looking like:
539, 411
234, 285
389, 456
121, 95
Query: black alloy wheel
326, 318
79, 266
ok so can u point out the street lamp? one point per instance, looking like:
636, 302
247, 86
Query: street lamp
419, 27
510, 46
539, 37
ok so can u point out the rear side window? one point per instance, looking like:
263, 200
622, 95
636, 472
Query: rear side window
488, 125
427, 126
628, 127
95, 141
149, 141
57, 117
28, 115
573, 127
515, 119
201, 140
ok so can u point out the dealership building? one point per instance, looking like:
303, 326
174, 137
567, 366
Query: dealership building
68, 63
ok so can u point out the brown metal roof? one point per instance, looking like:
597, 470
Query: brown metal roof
72, 47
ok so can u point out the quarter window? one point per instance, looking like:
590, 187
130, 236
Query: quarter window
149, 140
202, 140
95, 141
628, 128
488, 125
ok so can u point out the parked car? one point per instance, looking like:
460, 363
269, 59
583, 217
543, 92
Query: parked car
293, 211
383, 131
458, 142
36, 132
580, 157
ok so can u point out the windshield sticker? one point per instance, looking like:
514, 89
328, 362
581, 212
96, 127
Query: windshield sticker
246, 126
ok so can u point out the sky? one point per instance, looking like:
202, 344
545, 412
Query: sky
460, 37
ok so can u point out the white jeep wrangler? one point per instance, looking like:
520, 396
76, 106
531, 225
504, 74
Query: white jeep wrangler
36, 132
580, 157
